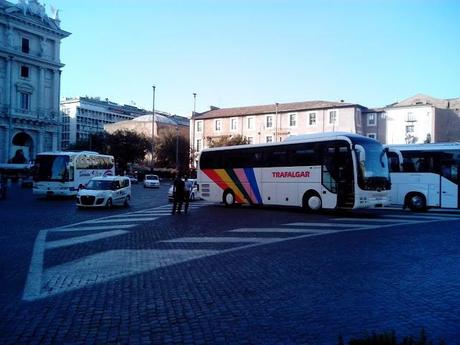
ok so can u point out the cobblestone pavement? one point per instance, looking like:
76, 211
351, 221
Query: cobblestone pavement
233, 275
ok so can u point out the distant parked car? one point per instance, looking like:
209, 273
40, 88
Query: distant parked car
133, 179
193, 193
105, 192
151, 181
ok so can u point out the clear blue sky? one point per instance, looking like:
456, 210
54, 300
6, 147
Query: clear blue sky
237, 53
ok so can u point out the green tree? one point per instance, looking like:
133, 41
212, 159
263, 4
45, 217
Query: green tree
165, 150
127, 147
227, 140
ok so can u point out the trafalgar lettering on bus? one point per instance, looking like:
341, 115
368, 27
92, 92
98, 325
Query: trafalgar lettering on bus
327, 170
292, 174
63, 173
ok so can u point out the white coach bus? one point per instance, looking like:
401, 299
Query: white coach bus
63, 173
326, 170
425, 175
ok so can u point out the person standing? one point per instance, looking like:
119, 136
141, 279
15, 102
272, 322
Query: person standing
178, 194
188, 190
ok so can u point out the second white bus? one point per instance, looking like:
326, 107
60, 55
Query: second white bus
326, 170
425, 175
63, 173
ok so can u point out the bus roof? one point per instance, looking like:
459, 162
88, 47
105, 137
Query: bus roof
425, 147
71, 153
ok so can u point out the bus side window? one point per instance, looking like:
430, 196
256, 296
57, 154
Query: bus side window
393, 162
408, 165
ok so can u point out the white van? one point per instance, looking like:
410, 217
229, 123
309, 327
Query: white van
105, 192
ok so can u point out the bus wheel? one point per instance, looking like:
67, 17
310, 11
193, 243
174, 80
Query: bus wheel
126, 203
311, 201
108, 204
229, 198
416, 202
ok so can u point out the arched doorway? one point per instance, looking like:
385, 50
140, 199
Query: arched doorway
22, 148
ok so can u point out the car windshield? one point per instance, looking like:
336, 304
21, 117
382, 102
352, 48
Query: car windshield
101, 185
151, 177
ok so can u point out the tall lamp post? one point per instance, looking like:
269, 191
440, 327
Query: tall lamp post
153, 128
177, 148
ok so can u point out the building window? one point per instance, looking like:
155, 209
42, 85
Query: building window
199, 126
250, 140
269, 139
199, 145
233, 124
250, 123
371, 119
24, 101
292, 120
269, 121
410, 129
24, 72
312, 119
25, 45
358, 116
217, 125
372, 135
333, 117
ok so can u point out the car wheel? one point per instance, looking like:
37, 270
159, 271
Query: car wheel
127, 200
109, 203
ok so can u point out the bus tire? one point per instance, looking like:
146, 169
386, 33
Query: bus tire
109, 203
416, 202
311, 201
229, 198
127, 200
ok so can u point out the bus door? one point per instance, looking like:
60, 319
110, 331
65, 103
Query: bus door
338, 172
450, 183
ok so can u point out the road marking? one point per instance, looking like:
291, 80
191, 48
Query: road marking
110, 265
426, 216
115, 220
93, 228
279, 230
338, 225
83, 239
223, 240
113, 264
377, 220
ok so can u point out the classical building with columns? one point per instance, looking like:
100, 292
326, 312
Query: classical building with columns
30, 74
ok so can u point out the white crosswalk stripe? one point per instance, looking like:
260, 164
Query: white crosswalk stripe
83, 239
94, 228
224, 240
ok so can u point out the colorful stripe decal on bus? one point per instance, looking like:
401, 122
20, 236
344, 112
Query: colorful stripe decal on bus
241, 181
253, 184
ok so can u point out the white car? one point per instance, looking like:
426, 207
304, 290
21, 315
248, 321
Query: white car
105, 191
193, 193
151, 181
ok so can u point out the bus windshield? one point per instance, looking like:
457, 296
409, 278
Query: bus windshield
372, 165
101, 185
51, 168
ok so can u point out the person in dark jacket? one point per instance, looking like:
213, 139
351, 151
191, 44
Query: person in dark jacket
178, 194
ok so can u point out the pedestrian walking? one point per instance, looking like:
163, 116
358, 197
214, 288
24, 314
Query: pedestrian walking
178, 194
188, 190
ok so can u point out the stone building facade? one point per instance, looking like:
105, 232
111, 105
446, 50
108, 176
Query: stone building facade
274, 122
82, 116
30, 74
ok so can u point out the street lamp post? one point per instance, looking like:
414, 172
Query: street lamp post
177, 148
153, 128
192, 124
